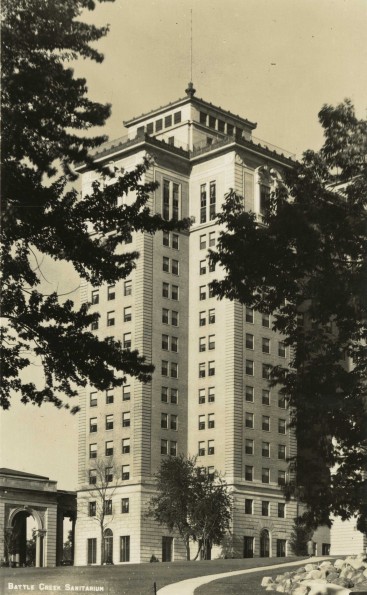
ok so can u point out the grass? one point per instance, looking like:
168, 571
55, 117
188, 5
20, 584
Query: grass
136, 579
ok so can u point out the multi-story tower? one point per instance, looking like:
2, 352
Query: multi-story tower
209, 395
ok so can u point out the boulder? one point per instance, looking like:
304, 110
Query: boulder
266, 580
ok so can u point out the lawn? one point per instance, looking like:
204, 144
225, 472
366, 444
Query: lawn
130, 579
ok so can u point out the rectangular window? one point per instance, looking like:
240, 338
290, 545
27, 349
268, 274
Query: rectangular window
109, 396
174, 370
166, 201
202, 118
92, 550
281, 548
166, 238
248, 506
212, 238
165, 264
211, 342
94, 326
92, 477
125, 548
281, 510
203, 203
150, 128
165, 344
281, 426
174, 396
111, 293
93, 424
211, 368
282, 403
211, 266
265, 397
249, 446
249, 420
126, 419
265, 320
164, 368
202, 318
168, 121
93, 399
128, 288
93, 451
265, 507
159, 125
211, 290
230, 129
201, 396
265, 424
125, 505
281, 478
249, 367
92, 508
202, 269
174, 422
164, 394
265, 475
175, 201
126, 392
281, 349
175, 241
211, 472
95, 296
203, 241
202, 373
127, 314
165, 314
174, 344
211, 394
174, 318
266, 371
110, 319
202, 292
211, 421
127, 340
201, 425
249, 341
108, 475
175, 265
249, 394
248, 546
174, 292
212, 121
173, 448
109, 448
250, 315
201, 449
164, 421
281, 452
177, 117
211, 448
202, 344
264, 198
125, 446
249, 473
125, 472
265, 450
265, 345
212, 316
164, 447
212, 200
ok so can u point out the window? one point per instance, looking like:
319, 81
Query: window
201, 425
201, 396
93, 424
212, 316
265, 508
211, 368
126, 392
265, 450
165, 342
212, 200
202, 370
126, 419
202, 267
248, 506
281, 510
174, 422
325, 549
109, 396
174, 370
211, 421
174, 396
125, 548
150, 128
93, 477
166, 238
168, 121
221, 125
202, 292
201, 449
249, 473
249, 367
164, 421
94, 325
127, 314
158, 125
265, 320
211, 449
175, 201
175, 267
128, 288
92, 550
264, 198
249, 446
174, 292
165, 264
174, 344
281, 349
109, 448
125, 472
202, 318
174, 318
203, 203
281, 478
93, 400
125, 505
266, 371
164, 368
164, 447
211, 394
125, 446
230, 129
166, 199
212, 121
164, 394
281, 452
281, 426
203, 241
127, 340
95, 296
265, 345
108, 475
111, 293
92, 508
93, 451
175, 241
281, 548
249, 341
250, 315
202, 118
265, 397
173, 448
265, 424
249, 394
165, 313
211, 291
265, 475
282, 403
211, 472
211, 342
211, 266
202, 344
212, 238
249, 420
177, 117
110, 319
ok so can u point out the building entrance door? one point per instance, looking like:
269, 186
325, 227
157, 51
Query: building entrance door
264, 544
167, 549
248, 547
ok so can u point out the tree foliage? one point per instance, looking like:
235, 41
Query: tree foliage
306, 264
191, 502
300, 536
46, 114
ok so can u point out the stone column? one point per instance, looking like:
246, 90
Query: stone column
40, 534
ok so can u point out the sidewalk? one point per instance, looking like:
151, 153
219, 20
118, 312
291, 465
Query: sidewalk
188, 586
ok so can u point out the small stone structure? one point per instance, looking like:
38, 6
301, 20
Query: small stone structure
23, 495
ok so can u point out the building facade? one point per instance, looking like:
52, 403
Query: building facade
209, 395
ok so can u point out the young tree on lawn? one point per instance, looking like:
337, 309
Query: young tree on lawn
191, 502
45, 111
306, 265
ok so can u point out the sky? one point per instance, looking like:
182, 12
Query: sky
274, 62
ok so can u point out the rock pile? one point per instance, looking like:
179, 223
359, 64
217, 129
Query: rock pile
331, 577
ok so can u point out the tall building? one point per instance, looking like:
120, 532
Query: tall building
209, 395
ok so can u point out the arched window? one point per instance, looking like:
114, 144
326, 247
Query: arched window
108, 546
264, 544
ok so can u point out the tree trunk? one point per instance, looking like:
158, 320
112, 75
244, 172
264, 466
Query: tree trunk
102, 547
187, 544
